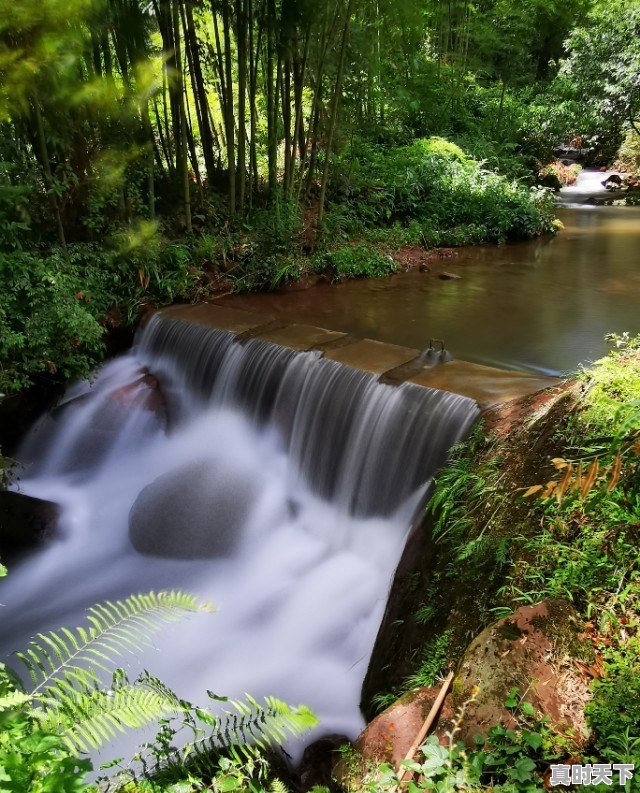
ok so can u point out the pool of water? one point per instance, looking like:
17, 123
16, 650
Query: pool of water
543, 305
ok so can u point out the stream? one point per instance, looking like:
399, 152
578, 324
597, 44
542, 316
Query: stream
282, 486
542, 306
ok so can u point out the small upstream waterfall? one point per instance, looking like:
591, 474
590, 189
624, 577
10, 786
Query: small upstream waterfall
277, 484
588, 189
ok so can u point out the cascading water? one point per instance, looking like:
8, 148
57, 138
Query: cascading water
588, 189
277, 484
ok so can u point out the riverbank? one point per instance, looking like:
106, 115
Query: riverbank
57, 302
540, 507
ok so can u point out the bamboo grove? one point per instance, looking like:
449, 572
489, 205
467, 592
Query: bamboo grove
146, 107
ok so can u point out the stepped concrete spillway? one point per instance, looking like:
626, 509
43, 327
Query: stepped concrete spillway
487, 385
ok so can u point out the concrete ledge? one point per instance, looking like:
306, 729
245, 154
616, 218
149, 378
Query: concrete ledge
299, 337
488, 385
371, 356
233, 320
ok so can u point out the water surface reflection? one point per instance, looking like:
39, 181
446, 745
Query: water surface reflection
543, 305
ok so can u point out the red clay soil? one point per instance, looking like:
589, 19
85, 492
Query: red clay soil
413, 257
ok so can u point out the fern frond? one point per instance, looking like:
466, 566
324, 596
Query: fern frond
14, 699
244, 730
87, 719
278, 786
71, 657
68, 696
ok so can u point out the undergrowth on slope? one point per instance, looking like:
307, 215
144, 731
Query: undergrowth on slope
565, 524
76, 702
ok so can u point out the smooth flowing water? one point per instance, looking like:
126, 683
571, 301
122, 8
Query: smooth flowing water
282, 490
543, 306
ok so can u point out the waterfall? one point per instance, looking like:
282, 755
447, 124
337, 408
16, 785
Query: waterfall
275, 483
588, 189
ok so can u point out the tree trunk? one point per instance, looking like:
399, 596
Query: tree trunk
46, 170
334, 112
241, 39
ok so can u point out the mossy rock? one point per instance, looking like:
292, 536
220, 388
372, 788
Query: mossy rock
536, 650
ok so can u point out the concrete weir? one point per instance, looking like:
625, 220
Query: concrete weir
487, 385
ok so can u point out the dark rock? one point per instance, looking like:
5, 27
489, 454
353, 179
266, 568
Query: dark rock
25, 522
549, 178
449, 276
535, 650
388, 738
424, 268
194, 512
613, 182
567, 152
319, 762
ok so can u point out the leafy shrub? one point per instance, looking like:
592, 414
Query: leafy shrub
53, 303
615, 707
629, 152
432, 180
46, 321
556, 175
353, 261
612, 386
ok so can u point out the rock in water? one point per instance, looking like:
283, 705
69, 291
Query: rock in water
534, 651
24, 522
319, 761
194, 512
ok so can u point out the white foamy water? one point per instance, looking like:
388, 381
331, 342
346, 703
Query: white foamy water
282, 489
588, 189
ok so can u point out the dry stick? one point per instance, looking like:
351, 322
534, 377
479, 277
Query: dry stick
408, 774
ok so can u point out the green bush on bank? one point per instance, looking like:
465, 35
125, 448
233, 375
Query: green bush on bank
355, 261
453, 197
53, 303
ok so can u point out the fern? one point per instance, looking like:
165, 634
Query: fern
14, 699
278, 786
244, 731
68, 694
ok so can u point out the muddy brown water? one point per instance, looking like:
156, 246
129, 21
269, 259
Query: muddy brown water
543, 305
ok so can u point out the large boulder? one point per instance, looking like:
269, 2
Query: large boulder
194, 512
25, 522
537, 651
388, 738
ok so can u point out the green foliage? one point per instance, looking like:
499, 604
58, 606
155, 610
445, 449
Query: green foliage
629, 151
603, 65
433, 661
511, 760
454, 198
467, 500
614, 711
31, 760
44, 325
231, 742
53, 304
354, 261
70, 709
64, 667
612, 389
